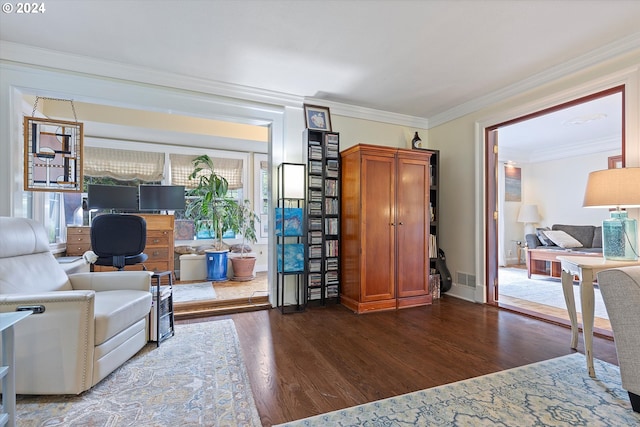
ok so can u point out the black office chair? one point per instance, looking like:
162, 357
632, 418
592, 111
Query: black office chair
119, 240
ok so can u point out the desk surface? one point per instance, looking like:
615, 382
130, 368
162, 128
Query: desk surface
9, 319
595, 262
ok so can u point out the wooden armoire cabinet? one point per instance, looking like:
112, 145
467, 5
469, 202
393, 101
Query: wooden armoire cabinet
385, 228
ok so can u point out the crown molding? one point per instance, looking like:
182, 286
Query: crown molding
61, 61
582, 148
619, 47
364, 113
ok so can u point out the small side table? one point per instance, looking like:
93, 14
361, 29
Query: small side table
7, 370
586, 268
520, 249
164, 307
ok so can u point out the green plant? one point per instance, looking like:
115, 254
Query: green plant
209, 207
243, 221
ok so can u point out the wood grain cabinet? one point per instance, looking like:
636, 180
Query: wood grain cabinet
78, 240
385, 228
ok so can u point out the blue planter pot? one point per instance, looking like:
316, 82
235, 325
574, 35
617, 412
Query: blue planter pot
216, 265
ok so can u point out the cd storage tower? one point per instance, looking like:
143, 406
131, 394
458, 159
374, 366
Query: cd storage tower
434, 207
323, 224
290, 233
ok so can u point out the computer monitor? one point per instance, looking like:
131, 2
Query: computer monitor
115, 197
161, 197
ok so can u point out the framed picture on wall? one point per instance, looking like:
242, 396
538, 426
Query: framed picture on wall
317, 118
512, 184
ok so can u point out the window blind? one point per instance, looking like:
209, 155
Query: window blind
182, 166
123, 165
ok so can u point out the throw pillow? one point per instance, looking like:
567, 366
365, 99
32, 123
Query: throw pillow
562, 239
541, 236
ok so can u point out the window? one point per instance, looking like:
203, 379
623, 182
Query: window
48, 208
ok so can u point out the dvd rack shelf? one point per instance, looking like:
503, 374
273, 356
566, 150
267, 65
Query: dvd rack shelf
323, 213
434, 205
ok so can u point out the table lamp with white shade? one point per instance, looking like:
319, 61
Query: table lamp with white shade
616, 188
529, 215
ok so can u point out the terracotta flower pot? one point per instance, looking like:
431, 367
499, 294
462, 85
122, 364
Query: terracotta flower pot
243, 268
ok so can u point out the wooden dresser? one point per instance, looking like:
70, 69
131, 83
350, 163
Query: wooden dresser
159, 247
78, 240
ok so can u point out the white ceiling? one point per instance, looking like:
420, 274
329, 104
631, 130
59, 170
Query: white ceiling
417, 58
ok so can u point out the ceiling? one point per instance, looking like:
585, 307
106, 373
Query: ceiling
410, 57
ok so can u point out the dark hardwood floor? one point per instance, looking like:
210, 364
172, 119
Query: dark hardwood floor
328, 358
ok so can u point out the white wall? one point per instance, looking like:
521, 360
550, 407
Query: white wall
557, 187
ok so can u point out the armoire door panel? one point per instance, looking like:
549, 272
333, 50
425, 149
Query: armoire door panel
378, 238
413, 227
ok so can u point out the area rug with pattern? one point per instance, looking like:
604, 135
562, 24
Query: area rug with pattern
195, 378
556, 392
193, 292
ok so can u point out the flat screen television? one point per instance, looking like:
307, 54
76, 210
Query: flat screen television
117, 197
161, 197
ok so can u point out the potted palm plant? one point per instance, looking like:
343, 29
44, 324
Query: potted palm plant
243, 222
212, 212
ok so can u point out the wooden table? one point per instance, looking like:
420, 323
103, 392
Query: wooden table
585, 267
536, 260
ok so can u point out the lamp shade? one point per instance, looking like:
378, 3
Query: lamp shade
528, 214
611, 188
292, 181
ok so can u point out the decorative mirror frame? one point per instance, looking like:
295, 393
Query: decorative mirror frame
53, 155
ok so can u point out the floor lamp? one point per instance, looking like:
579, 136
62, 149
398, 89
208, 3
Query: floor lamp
616, 188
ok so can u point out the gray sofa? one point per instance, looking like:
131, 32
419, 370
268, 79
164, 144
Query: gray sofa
589, 235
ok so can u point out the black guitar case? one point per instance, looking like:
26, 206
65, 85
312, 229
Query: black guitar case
445, 276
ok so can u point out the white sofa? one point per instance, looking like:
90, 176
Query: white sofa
91, 324
620, 288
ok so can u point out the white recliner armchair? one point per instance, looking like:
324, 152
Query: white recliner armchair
620, 288
90, 323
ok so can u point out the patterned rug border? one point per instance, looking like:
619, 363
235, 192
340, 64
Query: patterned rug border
212, 389
497, 399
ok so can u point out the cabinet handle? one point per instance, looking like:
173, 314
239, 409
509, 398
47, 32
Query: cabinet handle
400, 223
156, 253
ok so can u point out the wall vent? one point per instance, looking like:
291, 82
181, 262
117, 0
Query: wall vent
466, 279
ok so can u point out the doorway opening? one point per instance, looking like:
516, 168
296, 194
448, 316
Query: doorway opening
539, 163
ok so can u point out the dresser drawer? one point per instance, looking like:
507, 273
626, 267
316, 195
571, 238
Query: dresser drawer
79, 231
157, 239
156, 254
78, 238
75, 248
